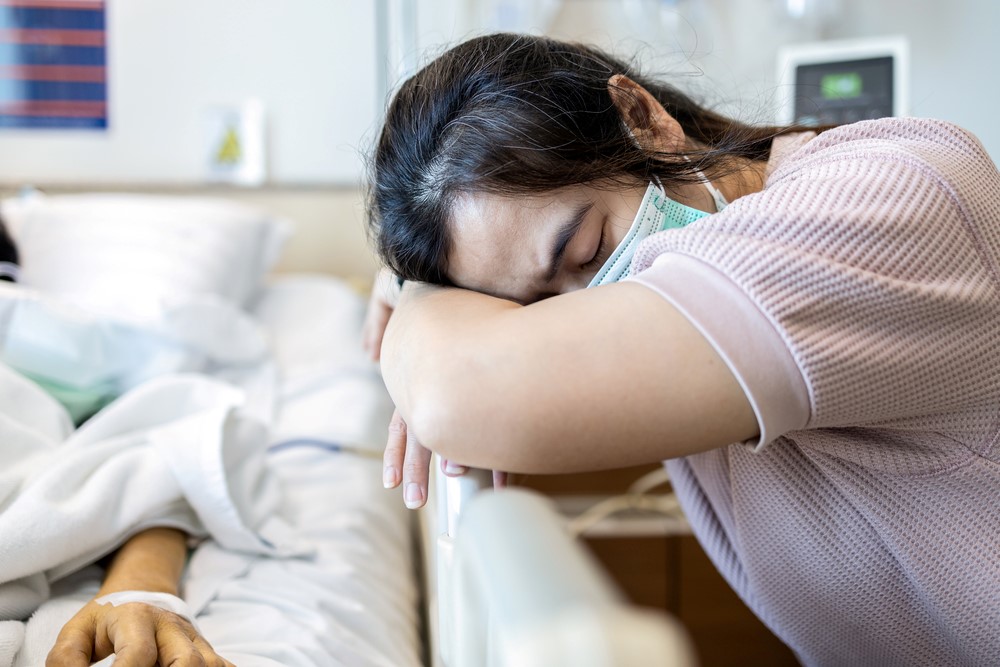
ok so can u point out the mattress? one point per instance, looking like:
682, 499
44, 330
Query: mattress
355, 602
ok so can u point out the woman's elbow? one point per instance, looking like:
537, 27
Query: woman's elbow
440, 418
465, 427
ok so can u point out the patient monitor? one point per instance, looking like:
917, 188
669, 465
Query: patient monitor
832, 83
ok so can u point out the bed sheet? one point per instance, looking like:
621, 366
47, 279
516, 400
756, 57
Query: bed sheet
356, 602
353, 600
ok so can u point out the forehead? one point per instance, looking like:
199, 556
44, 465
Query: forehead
499, 242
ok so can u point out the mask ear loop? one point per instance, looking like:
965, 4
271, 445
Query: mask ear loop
717, 196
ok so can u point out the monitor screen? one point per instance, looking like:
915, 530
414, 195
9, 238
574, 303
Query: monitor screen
834, 93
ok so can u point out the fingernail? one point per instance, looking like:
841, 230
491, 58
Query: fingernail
389, 477
413, 496
454, 469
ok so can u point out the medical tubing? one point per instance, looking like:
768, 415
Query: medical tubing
636, 498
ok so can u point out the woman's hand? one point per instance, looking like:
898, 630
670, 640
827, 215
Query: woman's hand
405, 460
140, 635
409, 462
381, 303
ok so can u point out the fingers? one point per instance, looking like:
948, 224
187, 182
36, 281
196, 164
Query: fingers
395, 448
139, 635
452, 469
381, 303
146, 636
180, 645
405, 455
389, 288
212, 659
74, 645
416, 470
373, 331
132, 636
175, 647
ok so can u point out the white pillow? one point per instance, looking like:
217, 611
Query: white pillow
138, 255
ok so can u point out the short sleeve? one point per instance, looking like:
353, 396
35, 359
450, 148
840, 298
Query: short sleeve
859, 288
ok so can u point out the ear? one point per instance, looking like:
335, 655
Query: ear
654, 129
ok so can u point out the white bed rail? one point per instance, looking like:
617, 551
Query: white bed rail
511, 588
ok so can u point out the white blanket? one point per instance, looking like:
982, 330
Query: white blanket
307, 561
174, 452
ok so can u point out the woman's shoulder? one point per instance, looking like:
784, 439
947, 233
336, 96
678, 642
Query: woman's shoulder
933, 144
875, 163
930, 131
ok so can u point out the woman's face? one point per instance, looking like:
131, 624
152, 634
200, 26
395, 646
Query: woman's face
529, 248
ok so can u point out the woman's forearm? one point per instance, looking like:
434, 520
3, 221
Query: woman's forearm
424, 343
150, 561
600, 378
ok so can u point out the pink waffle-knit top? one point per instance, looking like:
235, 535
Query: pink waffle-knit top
856, 299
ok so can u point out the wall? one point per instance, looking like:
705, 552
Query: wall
955, 51
311, 62
314, 61
725, 51
314, 65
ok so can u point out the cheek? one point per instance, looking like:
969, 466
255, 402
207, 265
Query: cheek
617, 230
621, 211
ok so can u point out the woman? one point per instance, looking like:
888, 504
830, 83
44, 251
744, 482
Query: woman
807, 333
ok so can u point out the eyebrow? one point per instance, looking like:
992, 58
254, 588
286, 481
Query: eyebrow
566, 232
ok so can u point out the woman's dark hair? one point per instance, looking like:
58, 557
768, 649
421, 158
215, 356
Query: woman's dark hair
515, 115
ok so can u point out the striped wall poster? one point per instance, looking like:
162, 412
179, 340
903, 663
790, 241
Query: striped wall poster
53, 64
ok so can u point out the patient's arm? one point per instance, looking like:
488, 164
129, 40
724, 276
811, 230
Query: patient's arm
140, 635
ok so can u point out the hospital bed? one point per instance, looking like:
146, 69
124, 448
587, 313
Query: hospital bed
484, 579
507, 586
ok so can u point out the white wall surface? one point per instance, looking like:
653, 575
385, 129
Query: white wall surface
311, 62
725, 51
314, 65
954, 54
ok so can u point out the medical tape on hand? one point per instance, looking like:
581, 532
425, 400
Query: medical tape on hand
164, 601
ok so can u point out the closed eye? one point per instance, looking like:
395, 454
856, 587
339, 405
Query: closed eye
600, 255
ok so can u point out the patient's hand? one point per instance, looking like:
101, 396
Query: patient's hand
140, 635
381, 303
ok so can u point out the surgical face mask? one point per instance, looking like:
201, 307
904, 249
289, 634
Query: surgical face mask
80, 402
82, 361
657, 212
